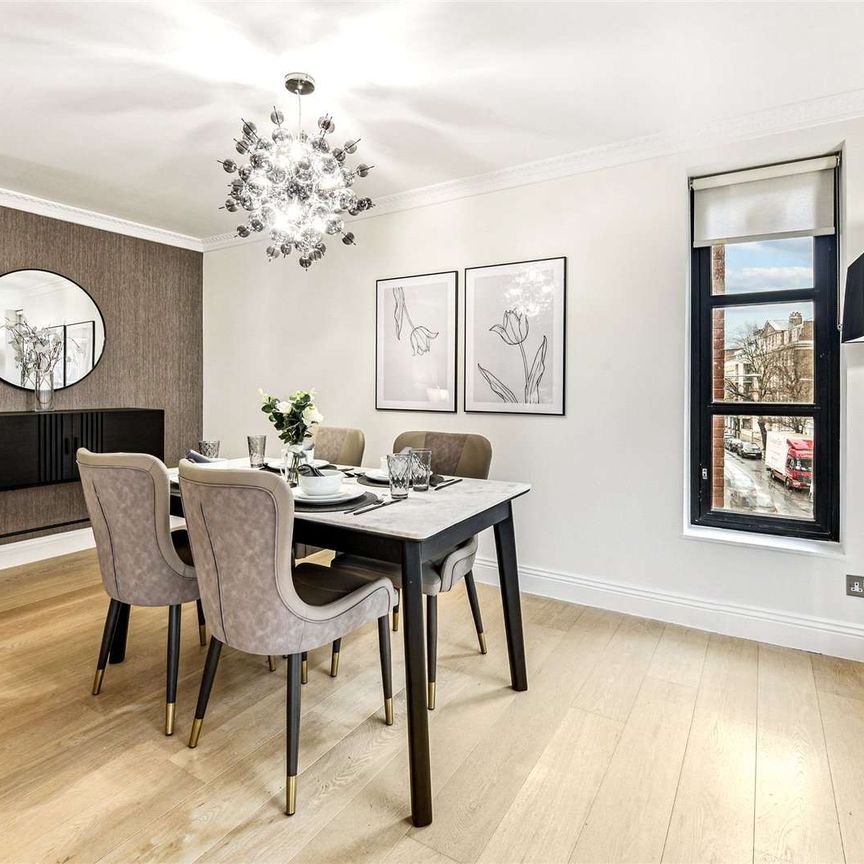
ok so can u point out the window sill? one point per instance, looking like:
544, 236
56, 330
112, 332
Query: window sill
795, 545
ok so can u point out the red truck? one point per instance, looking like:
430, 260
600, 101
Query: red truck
789, 458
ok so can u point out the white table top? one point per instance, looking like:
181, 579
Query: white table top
421, 515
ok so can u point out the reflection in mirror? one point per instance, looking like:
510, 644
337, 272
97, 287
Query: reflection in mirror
48, 322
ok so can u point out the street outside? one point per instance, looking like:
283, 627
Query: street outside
766, 495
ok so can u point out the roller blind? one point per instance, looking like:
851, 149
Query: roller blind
795, 199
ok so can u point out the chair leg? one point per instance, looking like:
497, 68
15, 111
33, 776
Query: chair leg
431, 647
108, 633
304, 667
210, 665
386, 667
334, 658
396, 610
292, 732
173, 666
475, 610
202, 624
118, 644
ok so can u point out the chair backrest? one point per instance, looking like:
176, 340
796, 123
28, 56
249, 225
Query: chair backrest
339, 445
457, 453
240, 525
128, 500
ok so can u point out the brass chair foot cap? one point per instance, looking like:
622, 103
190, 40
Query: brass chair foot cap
202, 635
388, 711
395, 620
291, 795
97, 681
304, 671
334, 664
430, 700
169, 718
482, 638
271, 663
196, 732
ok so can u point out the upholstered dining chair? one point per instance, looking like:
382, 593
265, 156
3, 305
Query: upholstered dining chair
339, 445
460, 455
240, 526
142, 562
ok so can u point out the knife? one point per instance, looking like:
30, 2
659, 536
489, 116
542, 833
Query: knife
448, 483
363, 510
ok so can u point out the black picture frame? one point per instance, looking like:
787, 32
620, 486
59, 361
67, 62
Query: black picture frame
453, 402
563, 365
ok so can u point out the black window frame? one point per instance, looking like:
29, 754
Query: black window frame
825, 408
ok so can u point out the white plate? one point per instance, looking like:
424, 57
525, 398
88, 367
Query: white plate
377, 475
346, 493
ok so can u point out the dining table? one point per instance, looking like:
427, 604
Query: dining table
421, 528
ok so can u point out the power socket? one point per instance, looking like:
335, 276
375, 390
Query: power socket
854, 585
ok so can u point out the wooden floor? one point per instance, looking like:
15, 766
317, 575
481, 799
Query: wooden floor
637, 741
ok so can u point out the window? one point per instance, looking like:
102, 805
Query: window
766, 351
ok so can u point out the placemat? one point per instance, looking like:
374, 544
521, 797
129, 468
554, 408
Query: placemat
302, 507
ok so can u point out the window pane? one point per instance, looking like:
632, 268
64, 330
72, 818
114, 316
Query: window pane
765, 265
763, 466
763, 353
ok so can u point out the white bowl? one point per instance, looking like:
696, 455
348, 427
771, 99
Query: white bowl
327, 485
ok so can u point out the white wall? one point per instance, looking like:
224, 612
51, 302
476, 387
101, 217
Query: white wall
604, 523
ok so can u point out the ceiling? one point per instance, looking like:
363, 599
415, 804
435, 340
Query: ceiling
124, 108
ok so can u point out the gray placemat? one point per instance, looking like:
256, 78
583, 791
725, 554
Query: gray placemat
303, 507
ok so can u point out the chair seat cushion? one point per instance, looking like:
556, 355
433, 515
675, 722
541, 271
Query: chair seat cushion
438, 576
318, 585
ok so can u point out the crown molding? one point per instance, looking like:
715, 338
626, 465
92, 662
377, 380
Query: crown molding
56, 210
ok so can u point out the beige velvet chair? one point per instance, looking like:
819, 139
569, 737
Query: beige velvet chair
240, 526
339, 445
142, 562
460, 455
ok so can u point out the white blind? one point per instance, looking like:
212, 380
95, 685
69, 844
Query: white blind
791, 200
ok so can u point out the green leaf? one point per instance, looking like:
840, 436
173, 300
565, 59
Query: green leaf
499, 388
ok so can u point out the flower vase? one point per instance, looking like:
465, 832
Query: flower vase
292, 458
43, 391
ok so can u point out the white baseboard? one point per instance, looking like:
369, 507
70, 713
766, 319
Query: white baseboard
807, 632
49, 546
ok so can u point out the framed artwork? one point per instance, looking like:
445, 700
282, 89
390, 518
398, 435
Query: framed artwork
515, 337
58, 373
415, 342
80, 350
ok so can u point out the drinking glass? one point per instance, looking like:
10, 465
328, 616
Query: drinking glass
421, 468
399, 468
210, 449
257, 444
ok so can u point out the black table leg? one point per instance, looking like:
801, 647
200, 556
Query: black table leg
508, 575
415, 686
118, 646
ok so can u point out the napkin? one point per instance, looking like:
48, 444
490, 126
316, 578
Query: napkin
309, 471
195, 456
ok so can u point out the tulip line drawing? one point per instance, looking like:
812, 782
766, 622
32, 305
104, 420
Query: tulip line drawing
420, 337
513, 330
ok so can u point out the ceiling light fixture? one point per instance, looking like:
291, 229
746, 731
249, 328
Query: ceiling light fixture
295, 185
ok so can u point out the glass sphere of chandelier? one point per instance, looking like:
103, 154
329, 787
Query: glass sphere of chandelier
295, 186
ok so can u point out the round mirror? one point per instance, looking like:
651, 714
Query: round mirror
47, 322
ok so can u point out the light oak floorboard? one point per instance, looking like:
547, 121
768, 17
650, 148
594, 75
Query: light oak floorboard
796, 815
712, 820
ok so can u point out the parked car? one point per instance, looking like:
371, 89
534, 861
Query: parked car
732, 444
749, 450
743, 494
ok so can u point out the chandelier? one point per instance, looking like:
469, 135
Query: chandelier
295, 186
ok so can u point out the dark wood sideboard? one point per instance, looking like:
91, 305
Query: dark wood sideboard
38, 448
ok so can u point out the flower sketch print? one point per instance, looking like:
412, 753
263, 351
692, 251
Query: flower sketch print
420, 336
514, 331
